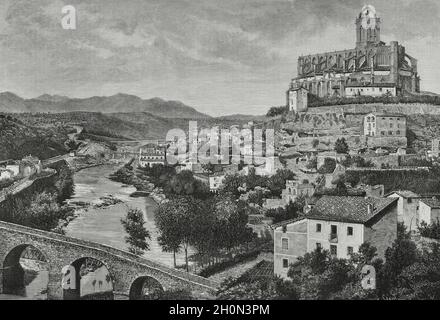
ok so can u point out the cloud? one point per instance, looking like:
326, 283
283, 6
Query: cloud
185, 49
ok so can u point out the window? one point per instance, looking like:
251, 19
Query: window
285, 263
285, 244
398, 132
382, 133
333, 250
349, 251
334, 229
318, 227
318, 245
349, 231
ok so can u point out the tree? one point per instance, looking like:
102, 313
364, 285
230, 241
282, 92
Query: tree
329, 166
137, 237
341, 146
399, 256
43, 212
277, 182
277, 111
71, 144
184, 183
177, 223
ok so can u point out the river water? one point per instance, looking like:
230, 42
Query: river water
103, 225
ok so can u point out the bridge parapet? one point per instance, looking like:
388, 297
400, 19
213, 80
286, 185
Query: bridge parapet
126, 267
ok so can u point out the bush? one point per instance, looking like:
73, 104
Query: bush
328, 167
277, 111
430, 231
341, 146
219, 267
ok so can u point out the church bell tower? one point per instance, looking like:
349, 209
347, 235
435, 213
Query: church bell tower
367, 27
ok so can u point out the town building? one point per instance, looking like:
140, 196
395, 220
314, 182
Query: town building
408, 206
216, 181
429, 211
435, 148
297, 99
337, 224
151, 156
372, 90
294, 190
6, 174
29, 165
372, 68
385, 125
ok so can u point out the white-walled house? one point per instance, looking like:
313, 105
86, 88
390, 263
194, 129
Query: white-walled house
151, 156
408, 206
337, 224
429, 211
216, 181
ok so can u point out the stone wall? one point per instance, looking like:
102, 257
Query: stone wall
407, 109
124, 267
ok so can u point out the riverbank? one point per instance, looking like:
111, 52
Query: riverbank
81, 208
127, 175
103, 224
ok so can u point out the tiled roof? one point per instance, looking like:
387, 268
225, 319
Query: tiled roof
285, 223
348, 209
405, 194
433, 203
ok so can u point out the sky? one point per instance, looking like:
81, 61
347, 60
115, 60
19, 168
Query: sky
219, 56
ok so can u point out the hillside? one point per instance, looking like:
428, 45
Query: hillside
298, 132
11, 103
18, 140
137, 125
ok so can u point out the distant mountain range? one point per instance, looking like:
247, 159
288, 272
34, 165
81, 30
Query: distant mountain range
11, 103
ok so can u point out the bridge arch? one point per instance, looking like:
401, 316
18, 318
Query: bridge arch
146, 288
87, 278
26, 272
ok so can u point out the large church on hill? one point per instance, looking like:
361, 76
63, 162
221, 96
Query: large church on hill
372, 68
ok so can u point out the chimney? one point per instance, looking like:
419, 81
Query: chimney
370, 208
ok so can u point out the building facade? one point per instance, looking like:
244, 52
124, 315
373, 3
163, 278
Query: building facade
429, 211
337, 224
408, 207
372, 68
297, 99
151, 156
216, 181
294, 190
385, 125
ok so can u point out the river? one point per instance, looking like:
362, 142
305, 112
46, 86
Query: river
103, 225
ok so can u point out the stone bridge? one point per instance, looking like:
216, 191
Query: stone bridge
127, 272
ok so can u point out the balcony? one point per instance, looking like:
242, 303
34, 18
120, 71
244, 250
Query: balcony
333, 238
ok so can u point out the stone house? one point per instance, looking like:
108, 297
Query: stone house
216, 181
30, 165
429, 211
337, 224
408, 206
151, 156
294, 190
